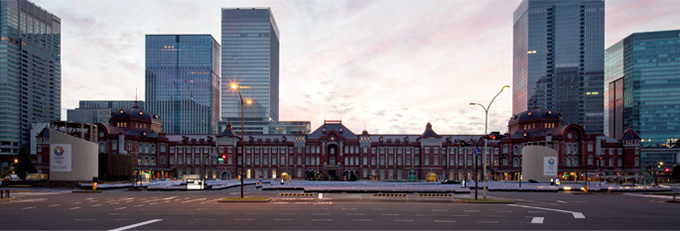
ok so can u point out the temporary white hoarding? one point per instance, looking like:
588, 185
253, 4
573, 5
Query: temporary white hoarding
60, 157
550, 166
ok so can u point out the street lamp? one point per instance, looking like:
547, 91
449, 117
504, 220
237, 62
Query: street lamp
486, 123
243, 158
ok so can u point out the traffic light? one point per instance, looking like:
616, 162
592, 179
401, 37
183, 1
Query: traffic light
224, 156
494, 136
667, 170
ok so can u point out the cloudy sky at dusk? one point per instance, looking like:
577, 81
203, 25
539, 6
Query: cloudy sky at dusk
389, 66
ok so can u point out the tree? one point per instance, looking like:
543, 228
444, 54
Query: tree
676, 173
25, 164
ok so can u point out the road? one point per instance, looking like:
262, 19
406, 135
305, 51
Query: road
142, 210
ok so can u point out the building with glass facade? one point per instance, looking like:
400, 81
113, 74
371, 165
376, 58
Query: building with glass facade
250, 57
643, 82
183, 82
99, 111
30, 72
558, 59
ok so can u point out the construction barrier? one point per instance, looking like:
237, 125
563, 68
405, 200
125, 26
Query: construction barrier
296, 194
435, 195
398, 195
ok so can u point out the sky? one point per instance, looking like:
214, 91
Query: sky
384, 66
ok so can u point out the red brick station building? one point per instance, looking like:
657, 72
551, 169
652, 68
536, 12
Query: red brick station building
133, 143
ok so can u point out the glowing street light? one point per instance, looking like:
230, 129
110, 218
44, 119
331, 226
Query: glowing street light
243, 158
486, 123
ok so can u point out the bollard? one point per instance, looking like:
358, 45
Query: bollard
94, 186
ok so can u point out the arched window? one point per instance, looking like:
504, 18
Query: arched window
515, 162
575, 162
152, 160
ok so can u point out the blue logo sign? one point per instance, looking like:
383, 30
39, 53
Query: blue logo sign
478, 151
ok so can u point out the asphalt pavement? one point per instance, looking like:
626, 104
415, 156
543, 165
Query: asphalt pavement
199, 210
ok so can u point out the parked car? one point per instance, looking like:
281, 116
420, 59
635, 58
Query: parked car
14, 177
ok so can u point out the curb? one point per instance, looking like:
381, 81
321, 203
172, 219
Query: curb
86, 191
264, 201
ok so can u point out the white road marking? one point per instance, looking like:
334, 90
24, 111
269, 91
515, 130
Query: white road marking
287, 213
136, 225
74, 208
198, 199
97, 205
488, 222
322, 219
504, 211
52, 205
137, 206
32, 207
278, 202
153, 203
537, 220
355, 214
302, 203
282, 219
117, 214
254, 213
460, 215
444, 221
377, 209
404, 220
497, 216
349, 208
244, 219
362, 219
29, 200
390, 214
575, 214
423, 215
563, 202
649, 196
114, 203
89, 198
121, 208
471, 211
536, 211
440, 210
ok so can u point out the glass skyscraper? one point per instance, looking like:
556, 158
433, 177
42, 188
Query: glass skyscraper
558, 59
30, 71
250, 58
183, 82
643, 70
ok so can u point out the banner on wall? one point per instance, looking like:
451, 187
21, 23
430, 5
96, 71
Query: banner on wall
60, 157
550, 166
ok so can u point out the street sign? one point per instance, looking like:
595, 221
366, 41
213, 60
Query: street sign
478, 151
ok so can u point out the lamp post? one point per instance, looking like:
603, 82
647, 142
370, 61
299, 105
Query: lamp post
243, 158
486, 123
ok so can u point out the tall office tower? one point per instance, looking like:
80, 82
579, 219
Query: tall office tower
250, 57
183, 82
643, 78
30, 71
99, 111
558, 59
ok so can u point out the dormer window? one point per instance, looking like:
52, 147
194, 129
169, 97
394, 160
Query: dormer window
529, 113
381, 139
340, 130
121, 111
141, 113
323, 129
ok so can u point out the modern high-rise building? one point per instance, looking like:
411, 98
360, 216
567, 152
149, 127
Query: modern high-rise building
643, 78
183, 82
558, 59
30, 71
250, 58
99, 111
